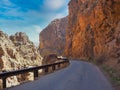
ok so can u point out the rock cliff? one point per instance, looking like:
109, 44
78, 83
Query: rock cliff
52, 38
26, 49
17, 52
94, 30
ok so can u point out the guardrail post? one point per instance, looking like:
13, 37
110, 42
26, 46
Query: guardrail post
35, 74
53, 67
58, 65
4, 82
46, 69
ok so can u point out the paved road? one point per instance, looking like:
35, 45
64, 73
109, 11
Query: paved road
78, 76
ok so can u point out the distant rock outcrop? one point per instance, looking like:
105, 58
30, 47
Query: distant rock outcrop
26, 49
52, 38
94, 30
17, 52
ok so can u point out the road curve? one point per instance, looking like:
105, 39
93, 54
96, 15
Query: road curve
77, 76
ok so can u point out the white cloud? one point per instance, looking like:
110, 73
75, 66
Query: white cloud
54, 4
57, 16
61, 15
6, 2
37, 28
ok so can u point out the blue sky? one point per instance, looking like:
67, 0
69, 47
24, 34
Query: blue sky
30, 16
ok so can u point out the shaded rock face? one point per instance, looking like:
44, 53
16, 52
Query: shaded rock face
94, 30
51, 58
52, 38
17, 52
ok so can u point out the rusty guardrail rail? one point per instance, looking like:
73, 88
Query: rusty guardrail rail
5, 75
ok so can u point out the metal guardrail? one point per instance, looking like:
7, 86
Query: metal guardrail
5, 75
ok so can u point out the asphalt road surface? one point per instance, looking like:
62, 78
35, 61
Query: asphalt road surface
77, 76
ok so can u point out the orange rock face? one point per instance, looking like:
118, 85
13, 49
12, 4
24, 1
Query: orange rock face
94, 30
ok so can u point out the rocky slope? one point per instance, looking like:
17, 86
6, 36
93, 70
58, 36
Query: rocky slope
94, 30
26, 49
52, 38
17, 52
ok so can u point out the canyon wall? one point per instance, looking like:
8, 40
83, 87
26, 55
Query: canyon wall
17, 52
52, 38
94, 30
